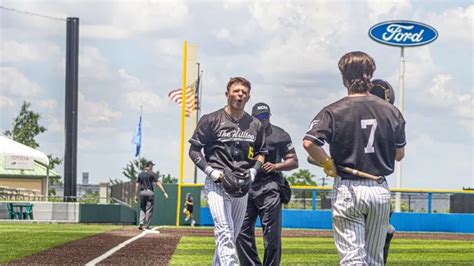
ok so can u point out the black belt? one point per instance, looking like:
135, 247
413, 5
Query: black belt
347, 176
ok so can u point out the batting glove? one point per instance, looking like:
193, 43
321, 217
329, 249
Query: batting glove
215, 175
329, 167
252, 173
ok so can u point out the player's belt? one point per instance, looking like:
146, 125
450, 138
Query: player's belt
349, 176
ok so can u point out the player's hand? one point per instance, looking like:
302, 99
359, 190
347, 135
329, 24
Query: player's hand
216, 175
165, 194
136, 200
269, 167
252, 173
329, 167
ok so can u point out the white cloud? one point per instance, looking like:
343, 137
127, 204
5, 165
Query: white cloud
172, 47
454, 24
103, 32
15, 83
389, 9
139, 95
129, 18
92, 64
304, 36
96, 113
48, 104
13, 51
5, 102
55, 125
443, 94
223, 34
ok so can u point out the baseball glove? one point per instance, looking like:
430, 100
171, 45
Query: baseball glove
236, 183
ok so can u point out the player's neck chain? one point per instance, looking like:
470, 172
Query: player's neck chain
229, 115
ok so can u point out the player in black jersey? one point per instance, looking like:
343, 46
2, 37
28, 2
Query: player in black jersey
365, 133
231, 139
264, 196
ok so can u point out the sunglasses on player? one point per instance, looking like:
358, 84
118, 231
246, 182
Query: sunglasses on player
262, 116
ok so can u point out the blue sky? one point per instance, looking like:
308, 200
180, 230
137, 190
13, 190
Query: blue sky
130, 55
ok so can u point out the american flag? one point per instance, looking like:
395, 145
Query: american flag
192, 98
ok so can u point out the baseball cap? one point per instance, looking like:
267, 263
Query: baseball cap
149, 163
260, 108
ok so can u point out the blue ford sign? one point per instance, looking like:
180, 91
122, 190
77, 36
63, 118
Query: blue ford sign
403, 33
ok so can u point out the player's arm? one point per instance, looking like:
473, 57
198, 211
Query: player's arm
320, 157
137, 185
200, 161
400, 138
290, 162
201, 137
160, 186
321, 130
400, 153
316, 152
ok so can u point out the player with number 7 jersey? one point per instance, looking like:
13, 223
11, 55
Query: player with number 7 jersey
365, 133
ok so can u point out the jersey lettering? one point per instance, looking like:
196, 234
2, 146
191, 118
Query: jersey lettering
370, 143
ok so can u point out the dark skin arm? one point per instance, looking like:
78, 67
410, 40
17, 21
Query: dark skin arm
290, 162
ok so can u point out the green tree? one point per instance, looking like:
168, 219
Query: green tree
26, 127
302, 177
168, 179
133, 168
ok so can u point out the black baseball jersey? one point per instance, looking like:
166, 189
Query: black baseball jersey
363, 133
278, 143
147, 179
227, 142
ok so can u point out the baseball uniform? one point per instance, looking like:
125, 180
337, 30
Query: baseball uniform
147, 196
227, 142
363, 133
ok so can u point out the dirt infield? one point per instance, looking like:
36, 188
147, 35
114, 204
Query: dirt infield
157, 249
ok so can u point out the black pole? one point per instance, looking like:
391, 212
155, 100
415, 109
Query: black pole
70, 154
198, 109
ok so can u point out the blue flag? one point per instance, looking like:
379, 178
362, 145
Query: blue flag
137, 138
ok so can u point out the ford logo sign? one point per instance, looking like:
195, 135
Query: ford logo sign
403, 33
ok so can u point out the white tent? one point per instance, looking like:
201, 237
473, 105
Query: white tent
11, 147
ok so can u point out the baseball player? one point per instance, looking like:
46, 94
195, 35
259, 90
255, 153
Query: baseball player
188, 209
147, 194
366, 133
264, 195
232, 142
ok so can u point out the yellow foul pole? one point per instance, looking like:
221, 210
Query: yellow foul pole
183, 118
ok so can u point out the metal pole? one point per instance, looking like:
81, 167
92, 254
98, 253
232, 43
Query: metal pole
430, 202
313, 203
398, 165
71, 106
198, 109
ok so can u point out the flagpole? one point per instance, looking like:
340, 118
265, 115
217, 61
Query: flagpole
141, 131
183, 113
198, 109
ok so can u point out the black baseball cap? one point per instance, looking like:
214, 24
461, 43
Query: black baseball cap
149, 163
260, 108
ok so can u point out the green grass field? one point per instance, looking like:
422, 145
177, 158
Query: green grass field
308, 250
21, 240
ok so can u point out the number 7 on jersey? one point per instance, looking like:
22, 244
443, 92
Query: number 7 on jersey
364, 123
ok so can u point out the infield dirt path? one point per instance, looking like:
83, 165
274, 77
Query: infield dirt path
157, 249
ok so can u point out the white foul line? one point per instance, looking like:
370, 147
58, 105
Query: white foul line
121, 245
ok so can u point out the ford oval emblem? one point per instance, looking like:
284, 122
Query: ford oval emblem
403, 33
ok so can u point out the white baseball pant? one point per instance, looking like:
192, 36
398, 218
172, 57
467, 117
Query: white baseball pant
360, 215
228, 214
